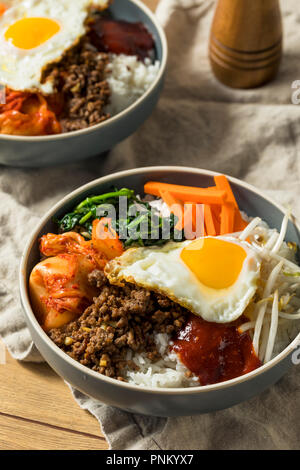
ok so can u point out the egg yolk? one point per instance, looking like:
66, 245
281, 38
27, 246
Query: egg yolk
29, 33
216, 263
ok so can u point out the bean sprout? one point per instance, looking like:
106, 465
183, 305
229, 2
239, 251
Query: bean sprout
250, 227
262, 309
282, 234
290, 316
264, 339
246, 326
273, 328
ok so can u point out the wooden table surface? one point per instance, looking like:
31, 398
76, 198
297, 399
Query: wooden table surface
37, 410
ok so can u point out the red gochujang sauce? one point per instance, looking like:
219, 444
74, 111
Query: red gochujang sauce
121, 37
215, 352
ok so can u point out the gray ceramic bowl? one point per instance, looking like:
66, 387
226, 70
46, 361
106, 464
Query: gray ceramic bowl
69, 147
155, 402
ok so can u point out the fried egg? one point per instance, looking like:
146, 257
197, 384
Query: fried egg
213, 277
35, 33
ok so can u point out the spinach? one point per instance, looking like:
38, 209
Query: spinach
136, 222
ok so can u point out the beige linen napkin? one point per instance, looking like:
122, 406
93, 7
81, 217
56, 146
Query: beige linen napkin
253, 135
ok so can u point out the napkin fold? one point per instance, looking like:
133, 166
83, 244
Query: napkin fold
253, 135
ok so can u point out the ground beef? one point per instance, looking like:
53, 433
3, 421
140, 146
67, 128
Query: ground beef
80, 80
82, 91
120, 319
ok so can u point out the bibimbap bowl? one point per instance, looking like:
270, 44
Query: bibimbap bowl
140, 398
144, 82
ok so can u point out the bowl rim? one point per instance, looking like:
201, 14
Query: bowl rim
126, 111
24, 294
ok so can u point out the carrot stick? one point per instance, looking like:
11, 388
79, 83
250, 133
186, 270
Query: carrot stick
190, 214
227, 219
3, 8
175, 206
189, 220
209, 221
186, 193
221, 211
216, 214
200, 196
239, 223
195, 213
223, 184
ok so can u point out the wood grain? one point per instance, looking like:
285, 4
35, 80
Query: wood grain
35, 391
37, 410
23, 434
151, 3
246, 42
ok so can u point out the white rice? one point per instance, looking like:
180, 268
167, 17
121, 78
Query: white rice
169, 372
128, 78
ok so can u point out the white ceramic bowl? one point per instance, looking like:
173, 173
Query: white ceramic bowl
164, 401
41, 151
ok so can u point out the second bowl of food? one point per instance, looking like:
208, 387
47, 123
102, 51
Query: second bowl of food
78, 77
165, 290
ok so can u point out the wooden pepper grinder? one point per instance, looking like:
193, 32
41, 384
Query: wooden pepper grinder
246, 42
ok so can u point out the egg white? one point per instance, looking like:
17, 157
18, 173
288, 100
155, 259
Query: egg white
161, 269
22, 69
